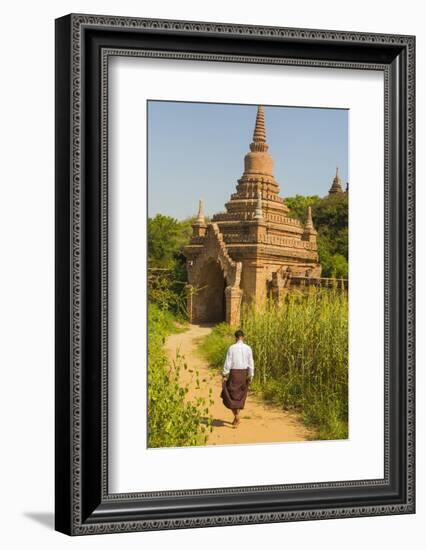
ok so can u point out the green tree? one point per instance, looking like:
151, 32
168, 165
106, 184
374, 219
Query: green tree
166, 239
331, 213
299, 205
167, 275
330, 217
333, 265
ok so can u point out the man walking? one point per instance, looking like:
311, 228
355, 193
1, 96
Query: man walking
237, 374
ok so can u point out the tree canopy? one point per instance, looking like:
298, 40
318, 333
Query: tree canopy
330, 217
167, 270
299, 205
166, 239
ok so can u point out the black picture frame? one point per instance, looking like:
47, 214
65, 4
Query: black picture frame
83, 45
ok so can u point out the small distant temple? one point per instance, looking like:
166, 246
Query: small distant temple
336, 186
252, 250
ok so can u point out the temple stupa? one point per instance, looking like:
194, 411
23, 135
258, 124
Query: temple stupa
252, 249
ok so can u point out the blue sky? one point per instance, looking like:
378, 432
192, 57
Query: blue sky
196, 150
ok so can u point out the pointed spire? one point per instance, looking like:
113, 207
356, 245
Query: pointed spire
336, 186
309, 231
199, 225
309, 224
200, 215
259, 134
258, 214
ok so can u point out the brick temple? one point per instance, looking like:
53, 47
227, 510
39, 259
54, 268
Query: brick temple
254, 248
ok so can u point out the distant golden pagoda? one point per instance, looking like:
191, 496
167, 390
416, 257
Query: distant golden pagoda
252, 249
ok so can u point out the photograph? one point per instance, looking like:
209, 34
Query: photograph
234, 274
247, 273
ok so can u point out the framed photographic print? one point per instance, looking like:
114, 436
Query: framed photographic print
234, 274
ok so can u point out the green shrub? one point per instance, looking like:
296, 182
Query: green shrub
173, 421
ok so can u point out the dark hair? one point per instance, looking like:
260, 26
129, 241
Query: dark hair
239, 334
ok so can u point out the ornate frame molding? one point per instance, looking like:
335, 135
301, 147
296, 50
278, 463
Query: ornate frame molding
84, 505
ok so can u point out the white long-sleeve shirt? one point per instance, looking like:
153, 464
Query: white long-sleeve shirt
239, 356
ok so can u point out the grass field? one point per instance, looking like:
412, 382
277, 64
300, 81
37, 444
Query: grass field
300, 349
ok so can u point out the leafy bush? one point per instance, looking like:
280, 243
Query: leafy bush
173, 421
167, 294
333, 265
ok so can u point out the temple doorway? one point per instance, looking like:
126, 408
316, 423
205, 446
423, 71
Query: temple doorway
209, 304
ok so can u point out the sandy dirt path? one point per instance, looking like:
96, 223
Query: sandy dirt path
260, 423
